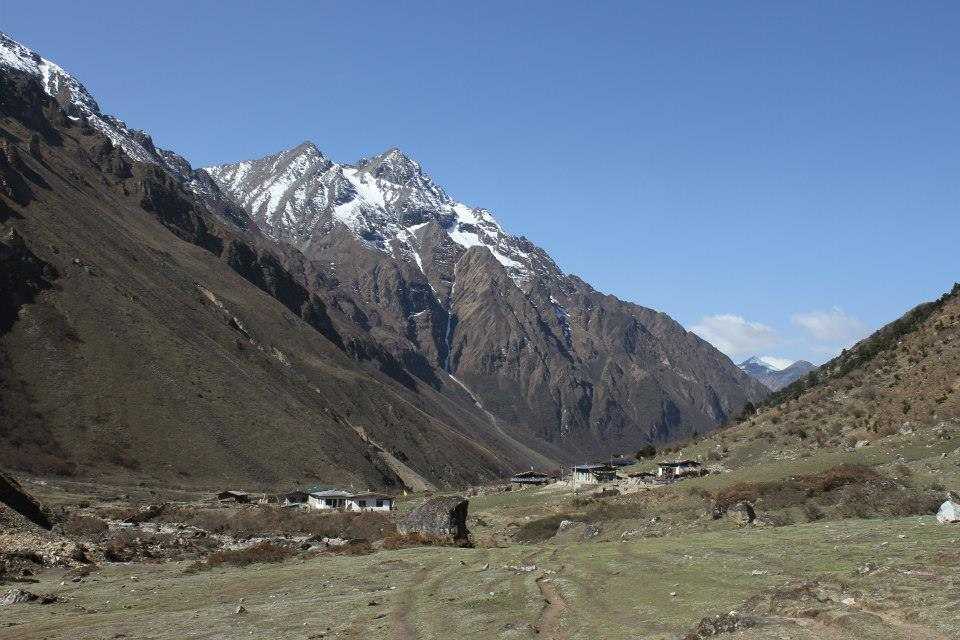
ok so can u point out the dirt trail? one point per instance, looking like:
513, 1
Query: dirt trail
549, 624
403, 629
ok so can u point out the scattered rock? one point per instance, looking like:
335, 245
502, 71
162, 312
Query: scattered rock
240, 610
145, 513
742, 513
19, 596
523, 568
715, 625
949, 512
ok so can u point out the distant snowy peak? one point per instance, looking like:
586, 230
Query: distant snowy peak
297, 194
775, 373
770, 362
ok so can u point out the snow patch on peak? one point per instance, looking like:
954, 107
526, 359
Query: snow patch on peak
770, 362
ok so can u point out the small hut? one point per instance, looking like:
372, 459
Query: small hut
679, 469
526, 478
594, 473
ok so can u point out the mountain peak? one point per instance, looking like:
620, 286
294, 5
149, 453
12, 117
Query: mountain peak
393, 165
768, 362
775, 373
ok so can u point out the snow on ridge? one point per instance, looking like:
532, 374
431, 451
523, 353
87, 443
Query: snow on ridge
63, 87
770, 362
374, 198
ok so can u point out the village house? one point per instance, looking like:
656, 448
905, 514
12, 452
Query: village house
327, 499
369, 502
593, 473
347, 501
527, 478
679, 469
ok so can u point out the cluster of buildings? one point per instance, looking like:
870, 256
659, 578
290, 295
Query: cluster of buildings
601, 472
319, 498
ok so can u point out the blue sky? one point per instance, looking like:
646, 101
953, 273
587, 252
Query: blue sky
784, 178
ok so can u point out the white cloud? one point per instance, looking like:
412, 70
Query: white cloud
734, 335
834, 326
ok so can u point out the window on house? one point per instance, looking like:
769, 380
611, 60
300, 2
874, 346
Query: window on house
331, 502
362, 503
379, 503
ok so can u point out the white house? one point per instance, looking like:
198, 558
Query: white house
344, 500
369, 502
593, 473
327, 499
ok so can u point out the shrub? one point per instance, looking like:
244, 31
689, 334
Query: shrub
646, 451
541, 529
263, 552
405, 541
86, 526
266, 520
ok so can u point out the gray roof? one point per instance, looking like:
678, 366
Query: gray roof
595, 466
331, 493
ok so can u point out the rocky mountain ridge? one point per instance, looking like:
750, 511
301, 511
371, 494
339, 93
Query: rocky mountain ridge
477, 329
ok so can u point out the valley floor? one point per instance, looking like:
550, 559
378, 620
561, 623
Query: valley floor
892, 578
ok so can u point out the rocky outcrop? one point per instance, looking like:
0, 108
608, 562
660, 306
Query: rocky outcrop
14, 496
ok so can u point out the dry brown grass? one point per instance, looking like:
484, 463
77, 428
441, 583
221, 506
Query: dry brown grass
267, 520
406, 541
264, 552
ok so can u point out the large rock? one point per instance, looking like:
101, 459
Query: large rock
15, 497
742, 513
949, 512
443, 517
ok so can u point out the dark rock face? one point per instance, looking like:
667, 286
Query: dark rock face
742, 513
22, 277
15, 496
562, 368
444, 517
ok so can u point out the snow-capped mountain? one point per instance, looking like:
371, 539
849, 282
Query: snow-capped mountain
137, 145
298, 194
407, 282
776, 373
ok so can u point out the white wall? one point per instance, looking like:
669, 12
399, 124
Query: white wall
371, 505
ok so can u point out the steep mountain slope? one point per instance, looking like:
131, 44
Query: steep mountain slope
142, 333
554, 360
901, 383
294, 318
773, 374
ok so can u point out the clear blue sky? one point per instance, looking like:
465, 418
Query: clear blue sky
793, 165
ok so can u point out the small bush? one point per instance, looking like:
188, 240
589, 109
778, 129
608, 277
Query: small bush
646, 451
85, 526
405, 541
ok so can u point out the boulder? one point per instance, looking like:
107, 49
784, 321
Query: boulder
949, 512
742, 513
19, 596
444, 516
145, 513
16, 497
